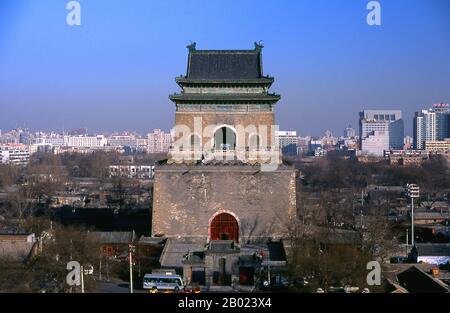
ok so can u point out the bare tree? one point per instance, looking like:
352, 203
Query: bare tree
19, 204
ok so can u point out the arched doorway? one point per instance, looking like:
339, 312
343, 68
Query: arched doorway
224, 226
224, 139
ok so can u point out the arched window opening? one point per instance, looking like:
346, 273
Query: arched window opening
224, 139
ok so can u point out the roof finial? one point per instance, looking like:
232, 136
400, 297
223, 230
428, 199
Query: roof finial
191, 47
259, 46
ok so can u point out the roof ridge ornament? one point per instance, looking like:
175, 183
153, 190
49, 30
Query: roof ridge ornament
191, 47
259, 45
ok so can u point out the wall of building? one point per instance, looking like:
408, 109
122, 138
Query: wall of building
227, 118
187, 197
375, 144
374, 122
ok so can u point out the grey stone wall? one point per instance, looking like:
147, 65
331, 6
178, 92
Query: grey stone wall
187, 197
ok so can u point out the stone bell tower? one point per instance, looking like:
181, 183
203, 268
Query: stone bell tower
224, 178
225, 110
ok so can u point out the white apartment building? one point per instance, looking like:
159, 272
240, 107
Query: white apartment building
122, 140
132, 171
376, 143
85, 141
380, 130
408, 142
142, 143
14, 155
49, 141
431, 125
287, 141
424, 128
320, 152
159, 141
349, 132
87, 150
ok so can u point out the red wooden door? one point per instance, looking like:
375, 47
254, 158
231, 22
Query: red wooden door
224, 227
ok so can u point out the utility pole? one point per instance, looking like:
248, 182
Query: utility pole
82, 278
362, 225
131, 249
100, 267
407, 242
413, 192
412, 221
41, 246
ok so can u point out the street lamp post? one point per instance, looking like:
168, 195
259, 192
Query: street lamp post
407, 242
131, 250
413, 192
82, 278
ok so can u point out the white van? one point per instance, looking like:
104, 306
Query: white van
163, 282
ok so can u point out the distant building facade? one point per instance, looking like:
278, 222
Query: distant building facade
431, 125
375, 143
85, 141
132, 171
442, 120
424, 128
408, 143
14, 154
438, 145
159, 141
121, 140
408, 157
349, 132
380, 130
287, 141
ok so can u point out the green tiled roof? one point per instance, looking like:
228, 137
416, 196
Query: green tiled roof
263, 81
231, 97
224, 64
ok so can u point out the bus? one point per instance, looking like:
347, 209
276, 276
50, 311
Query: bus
163, 282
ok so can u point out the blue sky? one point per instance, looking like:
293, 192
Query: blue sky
115, 71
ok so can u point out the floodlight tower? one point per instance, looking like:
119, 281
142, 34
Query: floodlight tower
413, 192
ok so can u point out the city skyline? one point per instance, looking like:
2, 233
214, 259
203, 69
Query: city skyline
243, 148
122, 131
115, 71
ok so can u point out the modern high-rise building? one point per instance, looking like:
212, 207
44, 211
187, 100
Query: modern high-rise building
287, 141
380, 130
431, 125
424, 128
442, 120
